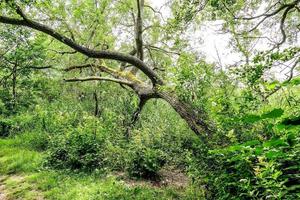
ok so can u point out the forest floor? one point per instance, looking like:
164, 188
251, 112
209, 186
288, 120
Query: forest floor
23, 176
2, 191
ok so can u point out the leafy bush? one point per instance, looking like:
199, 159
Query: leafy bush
115, 156
5, 127
255, 169
77, 149
144, 162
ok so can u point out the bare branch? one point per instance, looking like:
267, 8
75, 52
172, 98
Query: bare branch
288, 80
62, 52
78, 67
292, 70
265, 14
132, 53
98, 78
43, 67
161, 50
155, 11
282, 25
6, 77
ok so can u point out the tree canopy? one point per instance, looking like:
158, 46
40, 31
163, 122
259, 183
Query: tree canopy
93, 78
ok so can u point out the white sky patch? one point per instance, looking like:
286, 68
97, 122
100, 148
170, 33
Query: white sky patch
206, 41
215, 46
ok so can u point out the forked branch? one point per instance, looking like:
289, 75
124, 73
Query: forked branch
99, 78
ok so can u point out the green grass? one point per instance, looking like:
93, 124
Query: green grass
15, 159
24, 178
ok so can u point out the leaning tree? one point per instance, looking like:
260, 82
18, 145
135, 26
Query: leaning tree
85, 27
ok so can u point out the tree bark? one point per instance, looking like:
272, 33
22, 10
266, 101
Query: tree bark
136, 116
138, 29
97, 111
195, 120
14, 86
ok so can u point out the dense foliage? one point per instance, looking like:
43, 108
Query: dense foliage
249, 147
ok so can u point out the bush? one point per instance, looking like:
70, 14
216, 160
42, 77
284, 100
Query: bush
145, 162
253, 170
115, 156
5, 127
75, 150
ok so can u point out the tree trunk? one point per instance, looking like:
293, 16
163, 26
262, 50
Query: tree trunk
14, 86
195, 120
139, 33
97, 111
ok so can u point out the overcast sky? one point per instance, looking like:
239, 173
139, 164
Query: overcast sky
215, 46
207, 41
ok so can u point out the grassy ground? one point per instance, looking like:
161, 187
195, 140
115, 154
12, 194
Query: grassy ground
22, 176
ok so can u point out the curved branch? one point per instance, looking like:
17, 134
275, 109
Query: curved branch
138, 111
114, 73
132, 53
104, 54
135, 116
265, 14
282, 25
155, 11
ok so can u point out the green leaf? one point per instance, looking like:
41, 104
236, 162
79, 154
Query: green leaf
275, 143
272, 85
274, 154
258, 151
273, 114
235, 148
251, 118
251, 143
294, 81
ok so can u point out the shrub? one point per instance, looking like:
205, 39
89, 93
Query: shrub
144, 162
75, 150
252, 170
115, 156
5, 127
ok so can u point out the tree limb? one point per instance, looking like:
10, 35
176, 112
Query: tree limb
62, 52
98, 78
78, 67
104, 54
288, 80
162, 50
282, 25
44, 67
